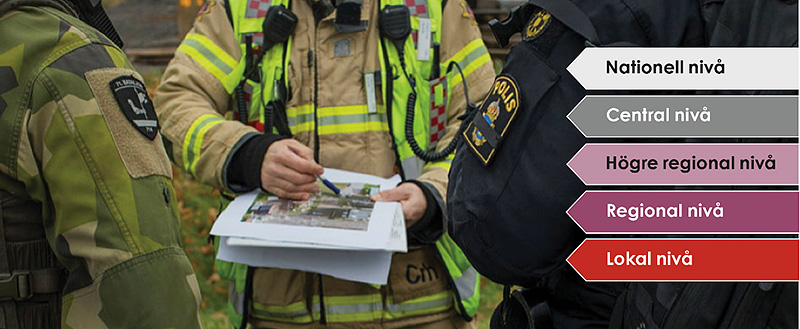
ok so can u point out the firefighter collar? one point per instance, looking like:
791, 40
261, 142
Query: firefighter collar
132, 98
485, 133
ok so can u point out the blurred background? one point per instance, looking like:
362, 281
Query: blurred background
152, 30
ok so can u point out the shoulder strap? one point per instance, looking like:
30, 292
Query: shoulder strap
572, 16
8, 309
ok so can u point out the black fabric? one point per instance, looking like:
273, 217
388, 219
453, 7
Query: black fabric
748, 23
430, 227
510, 217
244, 168
23, 247
695, 305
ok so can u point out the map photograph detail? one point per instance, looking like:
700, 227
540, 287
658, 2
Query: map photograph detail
350, 210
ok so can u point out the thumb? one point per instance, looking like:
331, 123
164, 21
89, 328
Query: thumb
394, 194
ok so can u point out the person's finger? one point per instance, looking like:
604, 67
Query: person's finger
301, 165
281, 193
295, 188
293, 176
303, 151
395, 194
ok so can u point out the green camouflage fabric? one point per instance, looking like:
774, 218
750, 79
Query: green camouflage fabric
107, 203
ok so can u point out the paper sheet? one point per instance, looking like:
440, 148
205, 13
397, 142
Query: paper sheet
374, 236
369, 266
397, 240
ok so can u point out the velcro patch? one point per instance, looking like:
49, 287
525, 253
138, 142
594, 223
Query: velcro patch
132, 98
485, 133
539, 23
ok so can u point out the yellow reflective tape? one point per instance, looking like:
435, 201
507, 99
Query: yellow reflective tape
354, 128
213, 59
474, 65
200, 59
436, 296
303, 127
291, 308
353, 317
356, 308
352, 299
194, 139
300, 110
444, 164
461, 54
342, 110
306, 112
215, 50
474, 54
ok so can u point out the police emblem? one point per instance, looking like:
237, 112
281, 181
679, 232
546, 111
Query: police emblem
538, 23
132, 98
485, 133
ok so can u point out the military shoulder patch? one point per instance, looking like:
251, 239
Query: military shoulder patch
539, 23
485, 133
132, 98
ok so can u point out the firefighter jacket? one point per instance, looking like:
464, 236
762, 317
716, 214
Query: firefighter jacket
346, 98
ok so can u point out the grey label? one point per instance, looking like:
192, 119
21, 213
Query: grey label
686, 116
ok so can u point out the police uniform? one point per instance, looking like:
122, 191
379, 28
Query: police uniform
510, 186
336, 78
89, 234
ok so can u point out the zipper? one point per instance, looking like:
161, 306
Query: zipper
678, 316
322, 318
316, 96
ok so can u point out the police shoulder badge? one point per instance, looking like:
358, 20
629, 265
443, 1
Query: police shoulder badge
485, 133
132, 98
538, 23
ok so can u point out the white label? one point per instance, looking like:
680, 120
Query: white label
424, 39
369, 85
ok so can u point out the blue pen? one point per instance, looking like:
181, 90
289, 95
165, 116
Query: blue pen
329, 185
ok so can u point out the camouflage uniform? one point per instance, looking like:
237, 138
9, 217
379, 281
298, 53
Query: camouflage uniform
89, 234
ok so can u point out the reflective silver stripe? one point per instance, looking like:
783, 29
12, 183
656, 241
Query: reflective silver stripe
350, 118
336, 119
412, 167
263, 313
197, 134
357, 308
236, 299
465, 284
209, 55
472, 56
419, 306
350, 309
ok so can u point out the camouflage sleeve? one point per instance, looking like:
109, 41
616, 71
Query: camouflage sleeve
92, 156
461, 43
195, 93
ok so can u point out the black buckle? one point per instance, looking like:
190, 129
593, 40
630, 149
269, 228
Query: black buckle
513, 24
17, 286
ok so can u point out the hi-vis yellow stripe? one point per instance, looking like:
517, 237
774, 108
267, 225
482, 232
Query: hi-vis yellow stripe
445, 163
211, 57
470, 58
337, 119
359, 308
193, 140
